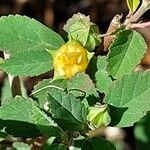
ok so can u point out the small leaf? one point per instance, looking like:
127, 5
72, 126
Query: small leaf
41, 89
133, 4
21, 146
28, 63
102, 78
101, 62
81, 84
20, 33
80, 28
70, 112
131, 97
125, 53
24, 110
97, 144
103, 81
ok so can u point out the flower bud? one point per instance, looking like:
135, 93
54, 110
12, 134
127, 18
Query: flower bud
98, 116
81, 29
70, 59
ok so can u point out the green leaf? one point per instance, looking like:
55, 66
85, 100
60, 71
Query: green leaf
21, 129
41, 89
133, 4
102, 78
27, 40
125, 53
70, 112
80, 28
81, 84
131, 97
56, 146
20, 33
101, 62
28, 63
103, 81
21, 146
97, 144
24, 110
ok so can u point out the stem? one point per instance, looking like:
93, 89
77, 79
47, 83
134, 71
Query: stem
95, 133
49, 86
106, 34
14, 82
143, 8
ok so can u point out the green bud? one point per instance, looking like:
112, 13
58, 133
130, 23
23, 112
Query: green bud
133, 5
98, 116
80, 28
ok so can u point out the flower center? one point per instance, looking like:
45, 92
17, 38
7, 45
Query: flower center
72, 58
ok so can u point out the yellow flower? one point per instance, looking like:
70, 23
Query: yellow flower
70, 59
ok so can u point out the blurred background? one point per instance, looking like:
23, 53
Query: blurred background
54, 14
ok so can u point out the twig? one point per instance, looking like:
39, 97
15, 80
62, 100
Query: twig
106, 34
14, 82
95, 133
139, 25
143, 8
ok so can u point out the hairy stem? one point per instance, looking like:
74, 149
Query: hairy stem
14, 82
95, 133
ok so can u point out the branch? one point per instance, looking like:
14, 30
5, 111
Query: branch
139, 25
